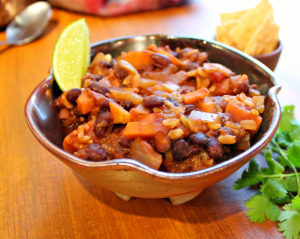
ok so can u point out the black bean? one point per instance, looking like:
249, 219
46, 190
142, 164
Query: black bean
96, 153
72, 95
153, 101
127, 104
180, 150
120, 72
159, 60
199, 139
189, 108
192, 151
97, 87
94, 77
214, 148
103, 123
106, 64
77, 113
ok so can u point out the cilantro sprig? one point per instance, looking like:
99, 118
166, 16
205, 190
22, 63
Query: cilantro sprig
278, 198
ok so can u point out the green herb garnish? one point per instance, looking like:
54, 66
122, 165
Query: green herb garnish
279, 195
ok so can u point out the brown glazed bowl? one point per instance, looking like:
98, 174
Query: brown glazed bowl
129, 178
271, 59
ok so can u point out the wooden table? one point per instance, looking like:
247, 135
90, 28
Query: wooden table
42, 198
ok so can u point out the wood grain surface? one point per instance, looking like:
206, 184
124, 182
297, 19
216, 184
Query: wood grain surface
42, 198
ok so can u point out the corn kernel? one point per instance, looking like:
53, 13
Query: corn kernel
227, 139
254, 112
248, 124
171, 123
175, 134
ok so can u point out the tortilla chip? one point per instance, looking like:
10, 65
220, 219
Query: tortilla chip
249, 23
265, 38
232, 16
222, 32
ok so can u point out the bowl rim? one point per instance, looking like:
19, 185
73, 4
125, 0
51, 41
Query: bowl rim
133, 164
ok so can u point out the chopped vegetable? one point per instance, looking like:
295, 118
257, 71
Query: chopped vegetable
85, 102
138, 59
143, 152
126, 95
119, 114
195, 96
146, 126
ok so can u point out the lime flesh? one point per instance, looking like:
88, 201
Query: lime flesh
71, 56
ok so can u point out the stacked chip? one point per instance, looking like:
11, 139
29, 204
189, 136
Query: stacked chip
252, 31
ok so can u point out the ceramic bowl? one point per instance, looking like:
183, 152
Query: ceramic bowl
271, 59
129, 178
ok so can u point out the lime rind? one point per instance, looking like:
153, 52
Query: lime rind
71, 55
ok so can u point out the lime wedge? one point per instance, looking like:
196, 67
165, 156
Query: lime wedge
71, 56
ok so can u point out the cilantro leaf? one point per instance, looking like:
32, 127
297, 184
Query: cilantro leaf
290, 184
293, 153
260, 207
290, 221
273, 189
287, 117
274, 166
278, 186
283, 139
250, 177
295, 133
296, 203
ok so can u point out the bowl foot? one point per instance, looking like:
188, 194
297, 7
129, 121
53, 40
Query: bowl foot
175, 200
180, 199
123, 196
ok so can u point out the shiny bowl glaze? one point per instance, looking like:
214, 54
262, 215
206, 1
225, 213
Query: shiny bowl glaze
129, 178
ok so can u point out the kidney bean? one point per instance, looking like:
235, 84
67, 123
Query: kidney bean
106, 64
127, 104
120, 72
95, 86
180, 150
214, 148
103, 123
191, 66
96, 153
153, 101
94, 77
159, 60
243, 87
72, 95
189, 108
192, 151
199, 139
